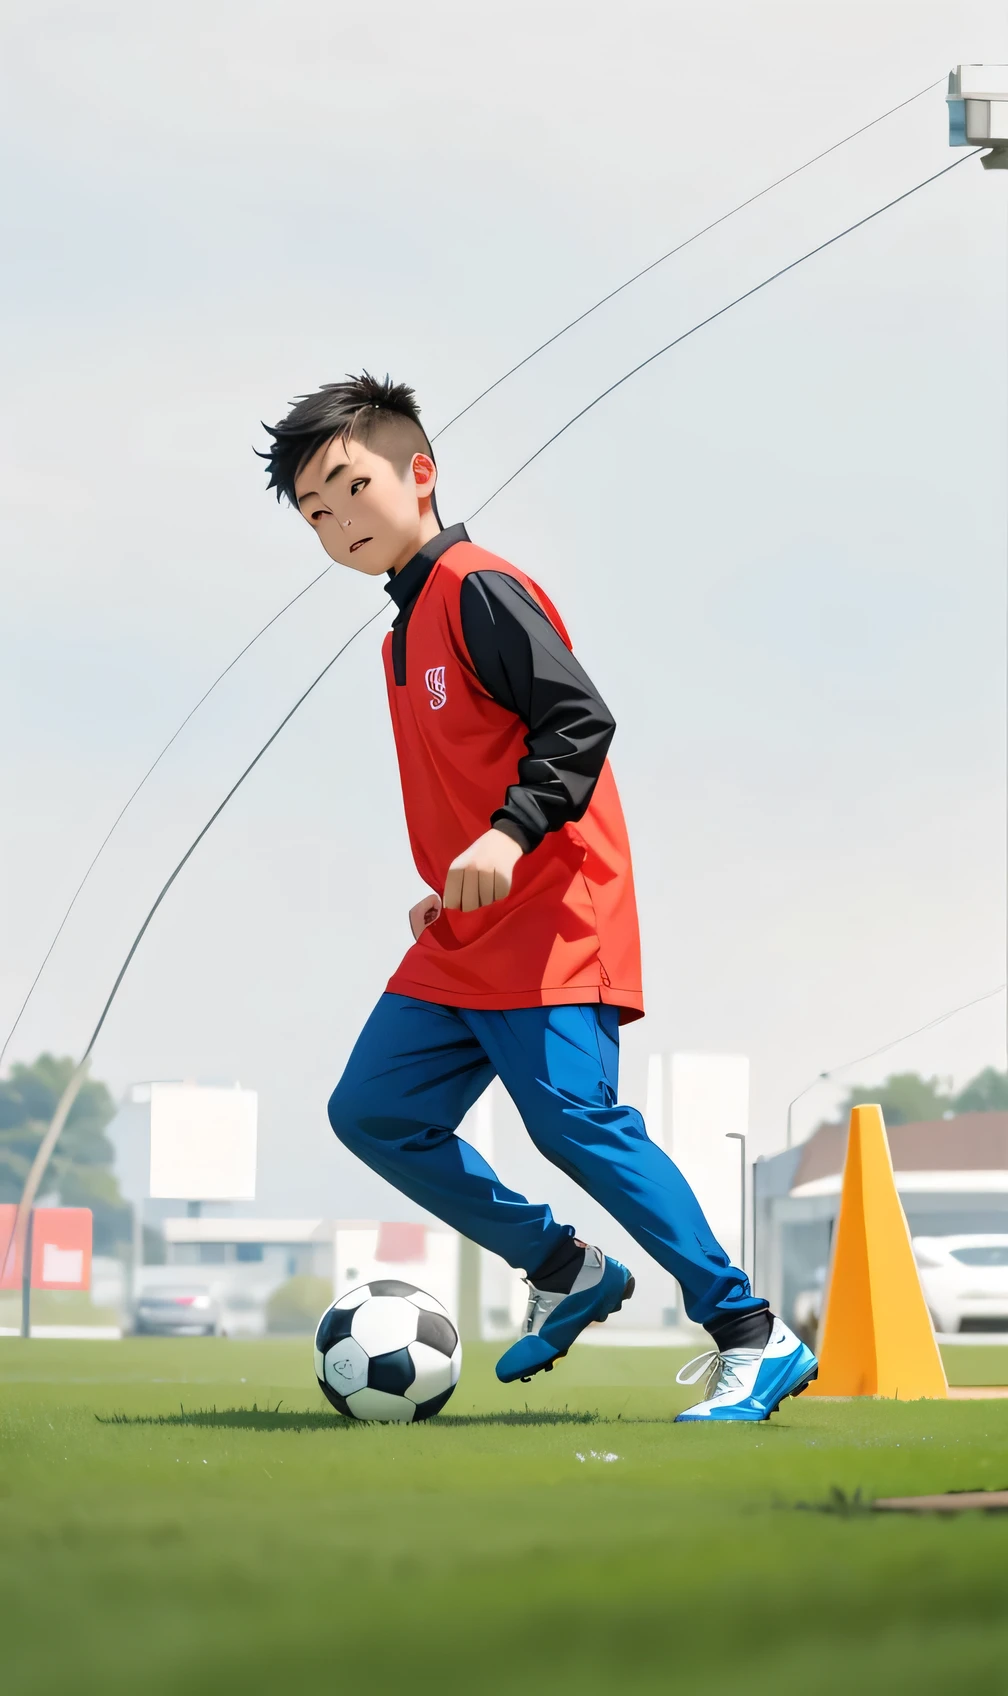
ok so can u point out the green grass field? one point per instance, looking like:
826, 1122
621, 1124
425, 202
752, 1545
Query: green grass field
189, 1516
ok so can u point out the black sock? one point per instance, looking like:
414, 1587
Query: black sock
750, 1330
559, 1270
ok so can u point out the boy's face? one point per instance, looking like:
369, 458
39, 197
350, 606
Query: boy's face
366, 514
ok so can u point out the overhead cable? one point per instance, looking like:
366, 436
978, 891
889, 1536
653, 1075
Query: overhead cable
859, 1060
124, 809
653, 266
17, 1235
215, 815
314, 684
481, 396
710, 319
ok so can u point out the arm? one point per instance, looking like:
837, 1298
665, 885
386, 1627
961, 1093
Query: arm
525, 666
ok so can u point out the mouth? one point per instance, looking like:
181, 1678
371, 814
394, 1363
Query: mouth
361, 542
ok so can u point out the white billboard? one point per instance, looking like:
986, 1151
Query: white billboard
202, 1143
709, 1100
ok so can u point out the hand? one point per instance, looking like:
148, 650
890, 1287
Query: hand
424, 913
483, 873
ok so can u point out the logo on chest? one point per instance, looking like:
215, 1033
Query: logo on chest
435, 681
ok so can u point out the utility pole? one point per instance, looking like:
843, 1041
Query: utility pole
26, 1273
978, 117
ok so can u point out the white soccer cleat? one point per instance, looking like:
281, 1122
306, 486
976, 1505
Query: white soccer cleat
749, 1384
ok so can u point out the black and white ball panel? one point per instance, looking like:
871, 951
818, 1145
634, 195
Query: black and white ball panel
437, 1332
437, 1372
385, 1323
332, 1326
387, 1351
345, 1367
381, 1405
392, 1372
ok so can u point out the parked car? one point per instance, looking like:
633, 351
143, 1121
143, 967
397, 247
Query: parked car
965, 1281
243, 1311
176, 1311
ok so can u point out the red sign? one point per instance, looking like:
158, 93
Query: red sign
61, 1249
401, 1242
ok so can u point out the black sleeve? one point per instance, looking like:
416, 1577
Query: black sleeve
524, 664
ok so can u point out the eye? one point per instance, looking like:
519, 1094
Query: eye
359, 483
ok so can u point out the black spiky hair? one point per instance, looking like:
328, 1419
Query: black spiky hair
381, 414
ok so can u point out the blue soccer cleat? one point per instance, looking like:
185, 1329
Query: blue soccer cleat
553, 1319
750, 1384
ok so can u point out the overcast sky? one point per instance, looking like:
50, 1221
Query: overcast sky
780, 551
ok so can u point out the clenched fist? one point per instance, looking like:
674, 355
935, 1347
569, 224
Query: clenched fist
483, 873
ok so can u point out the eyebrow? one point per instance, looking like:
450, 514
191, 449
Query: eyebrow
313, 494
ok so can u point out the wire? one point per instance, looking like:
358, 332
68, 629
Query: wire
710, 320
555, 337
130, 799
67, 1098
556, 435
499, 490
860, 1059
678, 249
875, 1052
216, 815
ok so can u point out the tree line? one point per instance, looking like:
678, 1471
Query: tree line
80, 1172
906, 1096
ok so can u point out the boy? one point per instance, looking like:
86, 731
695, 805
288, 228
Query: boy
526, 956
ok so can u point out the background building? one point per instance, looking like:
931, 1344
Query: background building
952, 1177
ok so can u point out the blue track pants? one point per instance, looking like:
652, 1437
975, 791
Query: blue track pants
416, 1070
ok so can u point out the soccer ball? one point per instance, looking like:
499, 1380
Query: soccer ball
387, 1351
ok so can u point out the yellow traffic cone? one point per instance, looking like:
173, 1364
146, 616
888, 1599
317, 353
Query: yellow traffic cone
876, 1336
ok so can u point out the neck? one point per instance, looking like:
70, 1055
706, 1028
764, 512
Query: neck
427, 528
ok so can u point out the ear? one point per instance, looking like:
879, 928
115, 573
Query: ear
424, 476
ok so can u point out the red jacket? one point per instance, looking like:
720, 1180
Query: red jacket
524, 760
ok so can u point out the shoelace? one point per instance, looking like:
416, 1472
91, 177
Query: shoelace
724, 1368
547, 1300
540, 1305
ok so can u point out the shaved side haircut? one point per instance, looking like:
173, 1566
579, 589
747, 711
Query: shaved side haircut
382, 415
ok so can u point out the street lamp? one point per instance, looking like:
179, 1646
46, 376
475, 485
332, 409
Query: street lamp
978, 111
978, 117
795, 1099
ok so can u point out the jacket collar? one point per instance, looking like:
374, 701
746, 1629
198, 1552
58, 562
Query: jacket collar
404, 586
